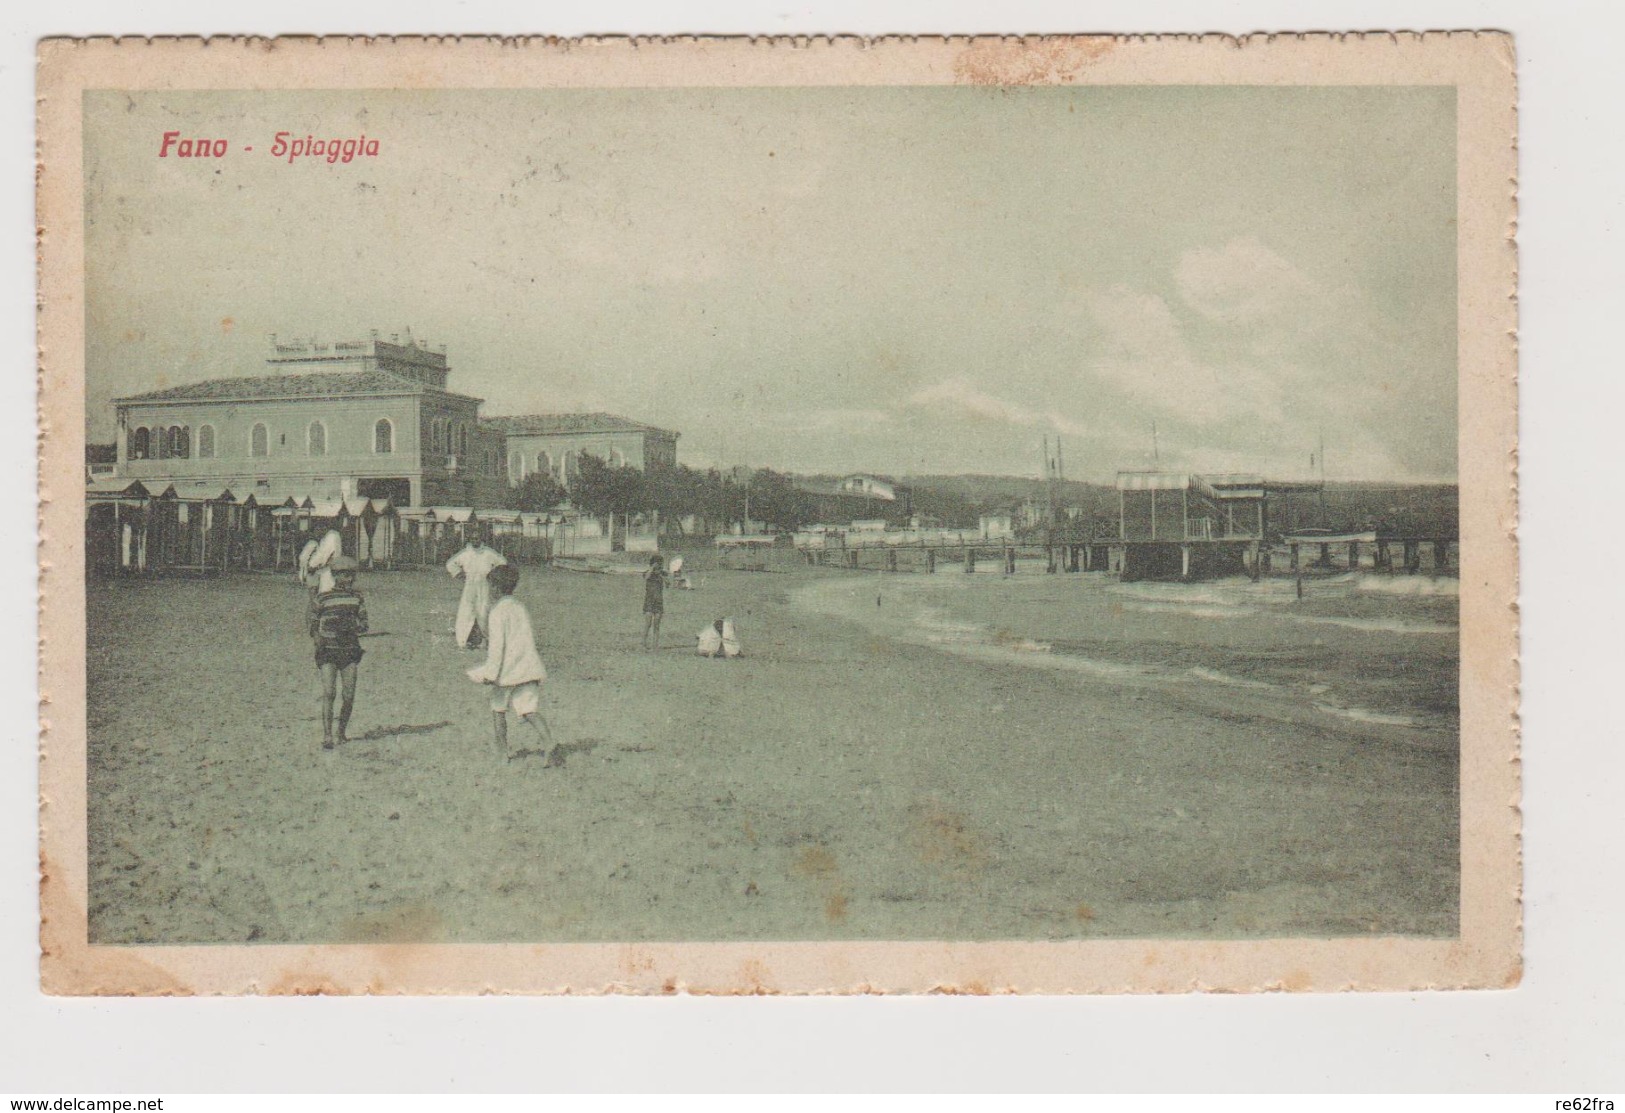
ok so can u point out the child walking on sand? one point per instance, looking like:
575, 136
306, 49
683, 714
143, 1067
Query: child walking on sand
654, 602
513, 668
336, 620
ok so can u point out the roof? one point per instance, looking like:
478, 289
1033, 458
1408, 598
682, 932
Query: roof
1153, 481
457, 515
1229, 485
111, 487
546, 424
319, 384
354, 506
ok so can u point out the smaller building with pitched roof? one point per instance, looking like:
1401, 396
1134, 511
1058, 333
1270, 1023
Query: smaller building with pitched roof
553, 444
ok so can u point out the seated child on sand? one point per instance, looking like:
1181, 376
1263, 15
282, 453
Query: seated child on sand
513, 668
719, 640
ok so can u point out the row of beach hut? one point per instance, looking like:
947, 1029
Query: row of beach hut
131, 530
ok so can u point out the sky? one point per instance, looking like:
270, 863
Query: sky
901, 280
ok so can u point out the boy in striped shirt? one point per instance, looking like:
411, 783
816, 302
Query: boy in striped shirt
336, 621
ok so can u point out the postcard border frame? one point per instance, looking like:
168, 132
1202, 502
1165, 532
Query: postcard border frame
1487, 954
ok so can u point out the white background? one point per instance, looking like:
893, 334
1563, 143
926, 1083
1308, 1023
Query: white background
1562, 1031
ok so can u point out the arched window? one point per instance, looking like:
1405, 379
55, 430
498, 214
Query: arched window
160, 443
316, 439
383, 436
259, 440
462, 440
516, 468
617, 458
544, 463
140, 444
437, 436
205, 442
180, 441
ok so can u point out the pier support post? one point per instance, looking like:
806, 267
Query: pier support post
1184, 562
1354, 556
852, 558
930, 560
891, 560
1253, 567
1009, 560
1441, 557
970, 559
1413, 557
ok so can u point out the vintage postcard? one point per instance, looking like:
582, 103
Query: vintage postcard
779, 516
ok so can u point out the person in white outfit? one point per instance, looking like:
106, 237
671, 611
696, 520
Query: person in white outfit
317, 567
514, 670
306, 576
474, 563
719, 640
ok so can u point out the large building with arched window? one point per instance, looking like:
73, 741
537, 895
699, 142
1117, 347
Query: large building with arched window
370, 418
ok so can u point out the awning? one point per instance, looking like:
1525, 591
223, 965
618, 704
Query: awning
1153, 481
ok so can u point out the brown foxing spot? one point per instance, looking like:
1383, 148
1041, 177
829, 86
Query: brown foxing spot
943, 838
411, 924
1028, 61
815, 861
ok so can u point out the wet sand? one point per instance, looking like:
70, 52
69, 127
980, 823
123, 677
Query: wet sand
905, 757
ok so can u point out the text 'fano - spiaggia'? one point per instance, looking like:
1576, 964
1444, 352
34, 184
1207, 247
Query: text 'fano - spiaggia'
283, 145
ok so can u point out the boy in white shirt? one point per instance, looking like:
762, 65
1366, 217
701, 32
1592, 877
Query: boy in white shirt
513, 668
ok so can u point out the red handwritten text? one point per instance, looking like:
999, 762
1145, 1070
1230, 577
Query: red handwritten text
191, 147
329, 150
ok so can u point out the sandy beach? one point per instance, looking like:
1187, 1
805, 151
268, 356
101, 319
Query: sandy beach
895, 757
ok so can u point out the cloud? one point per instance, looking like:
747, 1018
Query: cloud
1241, 283
956, 398
1144, 351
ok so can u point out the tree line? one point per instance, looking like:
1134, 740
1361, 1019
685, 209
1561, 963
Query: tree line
708, 501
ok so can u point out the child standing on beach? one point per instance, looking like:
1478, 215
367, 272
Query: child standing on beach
336, 620
513, 668
654, 602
